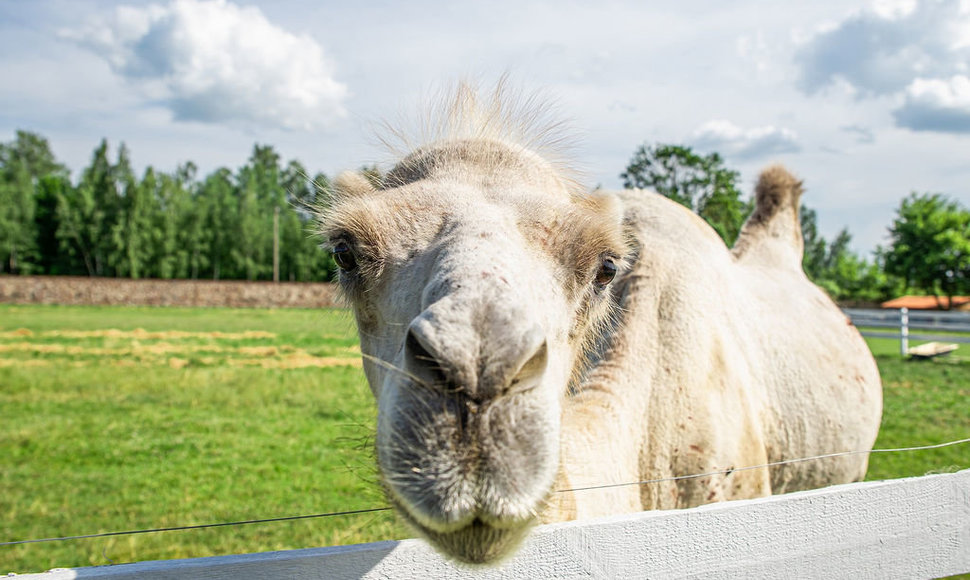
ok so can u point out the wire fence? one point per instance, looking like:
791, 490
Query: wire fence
931, 325
577, 489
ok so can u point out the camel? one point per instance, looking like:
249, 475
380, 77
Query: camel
525, 339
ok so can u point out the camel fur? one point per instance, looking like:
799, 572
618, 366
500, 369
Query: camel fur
523, 338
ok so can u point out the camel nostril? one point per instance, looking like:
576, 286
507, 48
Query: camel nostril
530, 370
423, 362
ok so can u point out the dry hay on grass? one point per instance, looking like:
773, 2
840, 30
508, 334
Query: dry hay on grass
138, 333
33, 362
296, 360
167, 352
135, 349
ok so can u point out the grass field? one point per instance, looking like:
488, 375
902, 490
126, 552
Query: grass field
128, 418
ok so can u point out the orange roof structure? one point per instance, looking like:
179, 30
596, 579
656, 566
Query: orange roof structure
927, 302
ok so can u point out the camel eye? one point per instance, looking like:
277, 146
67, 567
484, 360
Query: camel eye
344, 256
605, 274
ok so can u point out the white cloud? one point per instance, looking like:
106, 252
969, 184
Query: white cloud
881, 50
894, 8
215, 62
738, 143
916, 52
936, 105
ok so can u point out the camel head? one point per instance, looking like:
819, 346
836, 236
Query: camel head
477, 274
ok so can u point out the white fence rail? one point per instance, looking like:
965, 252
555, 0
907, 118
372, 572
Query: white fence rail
904, 321
906, 528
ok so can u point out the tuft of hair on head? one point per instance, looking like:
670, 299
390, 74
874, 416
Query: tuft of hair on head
500, 113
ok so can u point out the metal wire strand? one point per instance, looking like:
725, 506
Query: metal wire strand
381, 509
764, 465
196, 527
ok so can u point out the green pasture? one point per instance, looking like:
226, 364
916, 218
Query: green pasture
130, 418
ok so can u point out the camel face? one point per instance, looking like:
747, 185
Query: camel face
473, 291
507, 363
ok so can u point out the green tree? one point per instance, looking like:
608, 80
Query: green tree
98, 181
193, 235
78, 223
172, 252
24, 163
217, 194
302, 258
317, 262
18, 247
259, 191
699, 182
930, 247
53, 261
299, 190
292, 222
133, 230
843, 274
88, 215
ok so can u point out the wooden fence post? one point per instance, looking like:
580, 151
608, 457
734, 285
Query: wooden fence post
903, 331
276, 244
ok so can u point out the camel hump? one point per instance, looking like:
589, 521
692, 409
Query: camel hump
772, 234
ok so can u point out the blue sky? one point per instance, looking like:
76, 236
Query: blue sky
866, 101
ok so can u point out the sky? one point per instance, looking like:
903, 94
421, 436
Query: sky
865, 101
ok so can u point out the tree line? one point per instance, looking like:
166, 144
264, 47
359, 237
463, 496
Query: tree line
112, 222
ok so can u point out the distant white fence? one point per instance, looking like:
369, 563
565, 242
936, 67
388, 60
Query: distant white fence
905, 320
905, 528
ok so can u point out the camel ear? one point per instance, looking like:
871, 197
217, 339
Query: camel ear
351, 184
